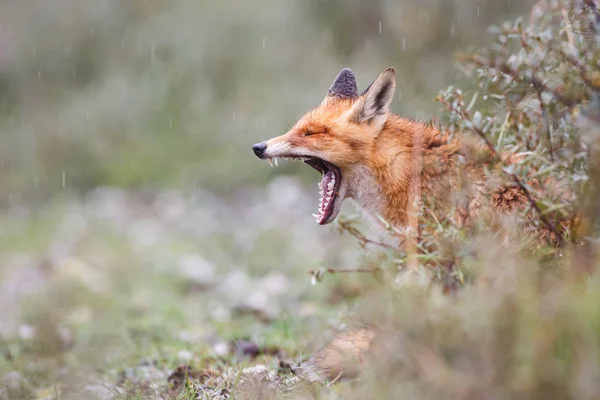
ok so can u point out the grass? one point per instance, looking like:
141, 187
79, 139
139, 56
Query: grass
95, 303
171, 264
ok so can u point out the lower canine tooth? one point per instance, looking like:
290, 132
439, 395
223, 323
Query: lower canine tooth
271, 162
276, 162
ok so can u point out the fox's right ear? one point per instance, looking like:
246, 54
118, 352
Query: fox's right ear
374, 104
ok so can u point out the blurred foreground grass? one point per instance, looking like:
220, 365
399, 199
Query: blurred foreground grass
99, 286
152, 94
139, 234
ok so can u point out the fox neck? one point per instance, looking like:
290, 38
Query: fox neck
378, 195
365, 190
394, 175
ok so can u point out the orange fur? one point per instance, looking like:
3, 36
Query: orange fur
390, 166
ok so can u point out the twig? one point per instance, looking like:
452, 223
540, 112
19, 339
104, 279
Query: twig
546, 125
347, 226
527, 47
318, 274
528, 195
549, 224
334, 381
581, 68
532, 80
414, 199
344, 270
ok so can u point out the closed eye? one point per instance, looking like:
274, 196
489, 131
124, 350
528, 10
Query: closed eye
310, 133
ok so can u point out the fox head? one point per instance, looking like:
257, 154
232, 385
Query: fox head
337, 137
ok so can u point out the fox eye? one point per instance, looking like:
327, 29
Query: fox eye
310, 133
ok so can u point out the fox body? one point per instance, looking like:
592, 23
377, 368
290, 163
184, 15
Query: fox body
386, 163
391, 166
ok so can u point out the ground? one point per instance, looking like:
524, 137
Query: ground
117, 293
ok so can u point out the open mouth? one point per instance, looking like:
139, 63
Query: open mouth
328, 188
331, 179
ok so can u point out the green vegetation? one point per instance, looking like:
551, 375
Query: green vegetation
146, 253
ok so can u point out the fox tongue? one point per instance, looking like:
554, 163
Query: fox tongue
326, 191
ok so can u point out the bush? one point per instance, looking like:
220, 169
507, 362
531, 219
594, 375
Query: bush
536, 103
527, 325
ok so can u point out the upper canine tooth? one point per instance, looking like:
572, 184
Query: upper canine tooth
276, 162
270, 162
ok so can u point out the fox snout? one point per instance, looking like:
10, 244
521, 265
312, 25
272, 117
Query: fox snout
259, 149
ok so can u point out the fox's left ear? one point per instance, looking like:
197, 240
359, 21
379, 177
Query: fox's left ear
374, 104
344, 85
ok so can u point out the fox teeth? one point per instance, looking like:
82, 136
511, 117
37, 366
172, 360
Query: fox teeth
320, 185
330, 185
330, 192
276, 164
271, 162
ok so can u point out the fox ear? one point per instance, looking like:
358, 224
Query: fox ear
374, 103
344, 85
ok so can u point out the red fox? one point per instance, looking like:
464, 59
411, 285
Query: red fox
386, 163
363, 151
390, 166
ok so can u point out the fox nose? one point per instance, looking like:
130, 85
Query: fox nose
259, 149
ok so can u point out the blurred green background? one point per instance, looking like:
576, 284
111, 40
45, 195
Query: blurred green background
135, 221
170, 94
